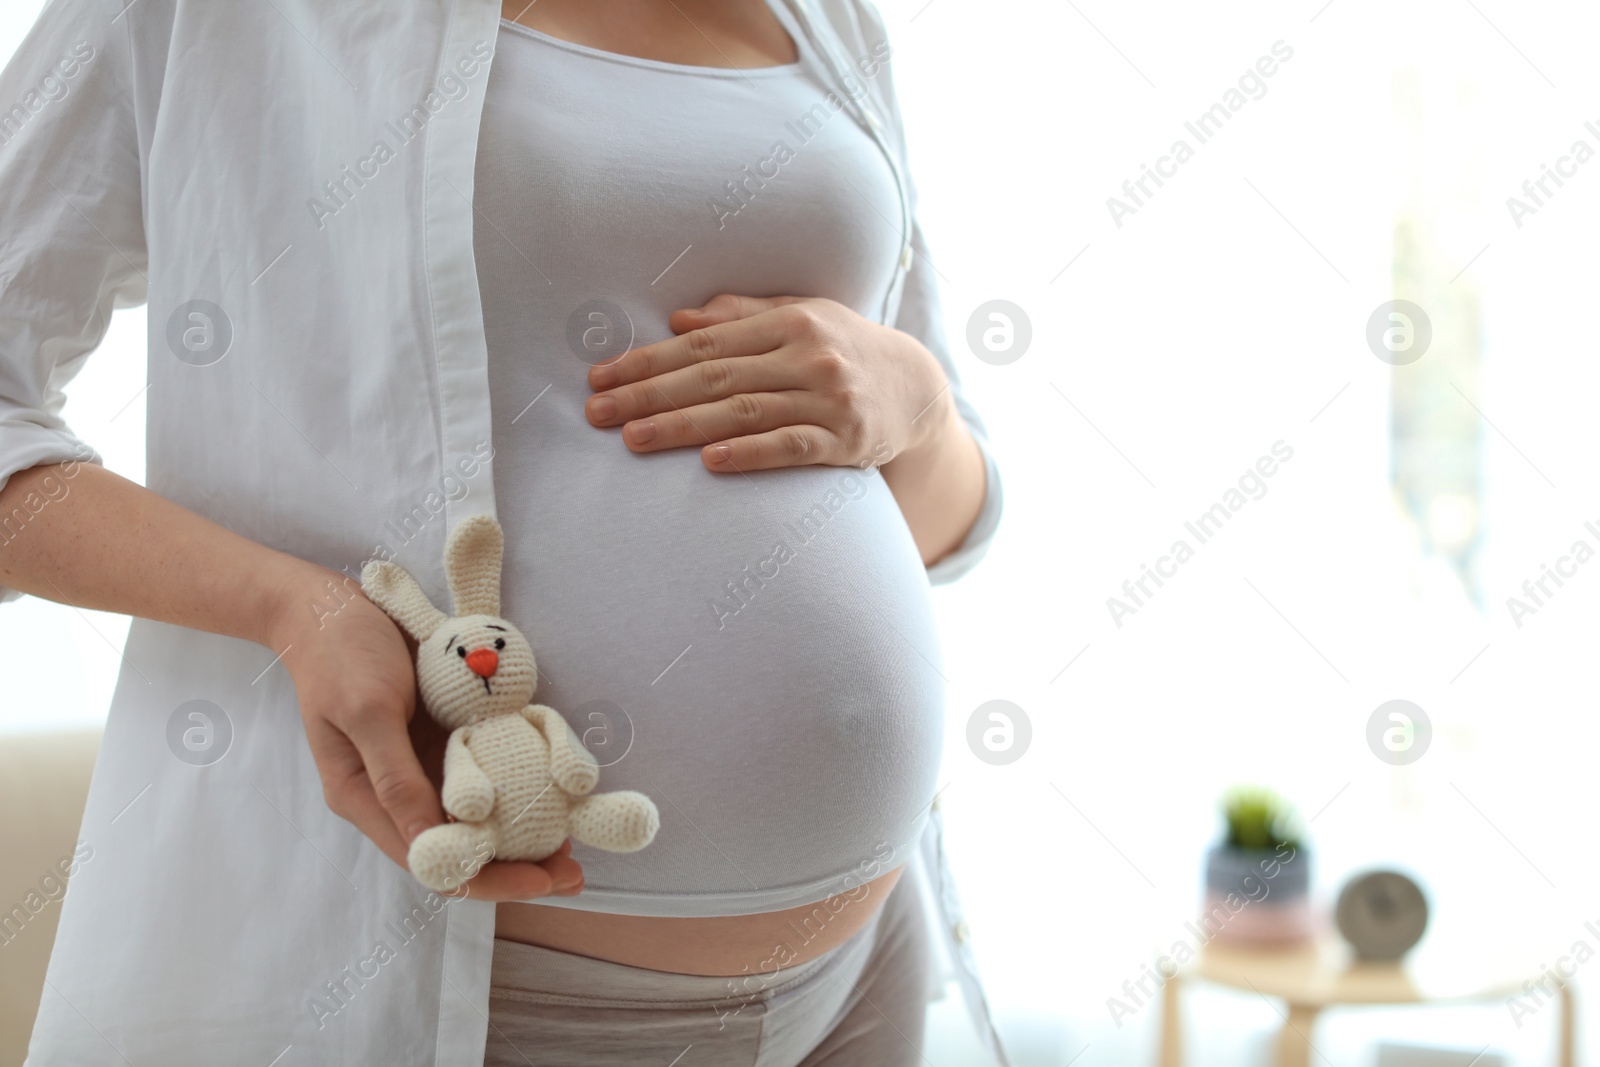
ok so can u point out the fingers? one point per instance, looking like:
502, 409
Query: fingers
788, 446
501, 880
396, 776
703, 382
740, 337
565, 872
724, 307
348, 791
740, 415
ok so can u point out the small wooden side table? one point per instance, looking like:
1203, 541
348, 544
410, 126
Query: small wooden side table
1323, 973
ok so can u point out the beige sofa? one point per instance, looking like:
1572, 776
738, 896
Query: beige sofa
44, 780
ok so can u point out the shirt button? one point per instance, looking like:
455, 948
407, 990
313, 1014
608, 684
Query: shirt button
906, 260
874, 121
937, 797
962, 931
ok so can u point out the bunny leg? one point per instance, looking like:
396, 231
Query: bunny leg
444, 858
624, 821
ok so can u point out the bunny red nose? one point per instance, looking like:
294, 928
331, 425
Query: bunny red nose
483, 662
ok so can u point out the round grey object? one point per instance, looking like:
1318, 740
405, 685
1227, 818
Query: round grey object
1399, 732
199, 333
605, 729
1382, 914
999, 332
998, 732
1399, 332
599, 330
199, 732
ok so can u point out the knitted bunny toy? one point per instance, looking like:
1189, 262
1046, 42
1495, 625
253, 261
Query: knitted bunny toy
516, 777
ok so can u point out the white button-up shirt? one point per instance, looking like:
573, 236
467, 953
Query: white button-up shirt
289, 186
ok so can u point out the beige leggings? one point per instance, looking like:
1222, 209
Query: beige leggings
860, 1004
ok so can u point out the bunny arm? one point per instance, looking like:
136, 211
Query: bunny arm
468, 794
573, 767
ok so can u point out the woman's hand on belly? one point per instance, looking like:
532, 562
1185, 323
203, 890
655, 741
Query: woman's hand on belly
765, 382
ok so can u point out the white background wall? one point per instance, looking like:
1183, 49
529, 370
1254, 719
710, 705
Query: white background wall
1227, 314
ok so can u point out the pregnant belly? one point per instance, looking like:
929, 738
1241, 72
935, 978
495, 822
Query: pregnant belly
755, 652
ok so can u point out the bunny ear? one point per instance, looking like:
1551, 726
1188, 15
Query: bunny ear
472, 565
392, 588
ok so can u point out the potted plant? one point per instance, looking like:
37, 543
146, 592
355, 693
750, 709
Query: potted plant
1258, 878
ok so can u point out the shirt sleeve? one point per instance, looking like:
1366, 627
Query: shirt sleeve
921, 315
72, 248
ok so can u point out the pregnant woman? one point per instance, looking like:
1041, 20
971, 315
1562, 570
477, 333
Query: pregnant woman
647, 288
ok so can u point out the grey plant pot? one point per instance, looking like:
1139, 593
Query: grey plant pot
1267, 876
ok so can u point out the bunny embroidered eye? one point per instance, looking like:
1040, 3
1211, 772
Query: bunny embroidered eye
499, 642
461, 650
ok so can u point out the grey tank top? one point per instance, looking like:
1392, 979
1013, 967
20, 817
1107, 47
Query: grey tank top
756, 652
